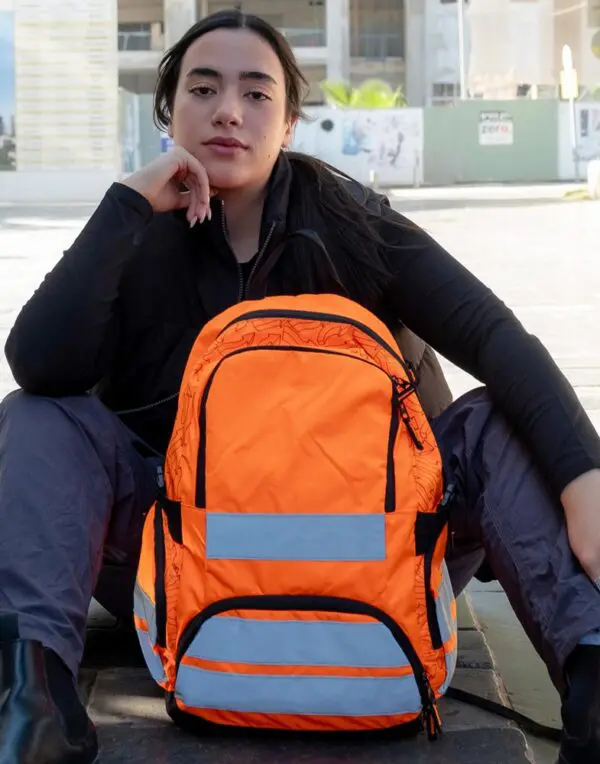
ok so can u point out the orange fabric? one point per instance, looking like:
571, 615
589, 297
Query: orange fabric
293, 432
270, 670
298, 723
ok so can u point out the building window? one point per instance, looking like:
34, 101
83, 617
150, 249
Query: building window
302, 22
135, 36
377, 29
444, 93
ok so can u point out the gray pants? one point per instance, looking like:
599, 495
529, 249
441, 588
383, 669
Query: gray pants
75, 484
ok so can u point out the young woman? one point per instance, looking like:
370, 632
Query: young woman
100, 348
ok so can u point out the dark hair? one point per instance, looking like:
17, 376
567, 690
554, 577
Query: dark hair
347, 255
170, 67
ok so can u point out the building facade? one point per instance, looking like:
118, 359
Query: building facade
333, 39
517, 45
76, 78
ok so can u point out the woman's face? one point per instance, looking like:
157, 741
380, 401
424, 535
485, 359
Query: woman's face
230, 107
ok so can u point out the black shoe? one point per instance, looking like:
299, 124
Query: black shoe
580, 742
42, 719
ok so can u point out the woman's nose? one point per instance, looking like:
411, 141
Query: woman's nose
228, 112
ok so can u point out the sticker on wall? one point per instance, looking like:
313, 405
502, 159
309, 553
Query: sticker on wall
496, 128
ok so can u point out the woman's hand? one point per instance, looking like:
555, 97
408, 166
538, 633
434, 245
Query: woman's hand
161, 181
581, 500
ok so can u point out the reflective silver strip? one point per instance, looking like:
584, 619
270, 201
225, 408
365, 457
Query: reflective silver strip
448, 624
335, 538
318, 695
443, 606
297, 643
153, 661
143, 608
451, 661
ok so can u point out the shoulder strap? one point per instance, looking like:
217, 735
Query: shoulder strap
535, 728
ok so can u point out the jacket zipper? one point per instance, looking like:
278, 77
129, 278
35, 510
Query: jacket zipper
261, 252
323, 604
390, 491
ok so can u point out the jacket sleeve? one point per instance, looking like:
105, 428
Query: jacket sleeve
63, 338
450, 309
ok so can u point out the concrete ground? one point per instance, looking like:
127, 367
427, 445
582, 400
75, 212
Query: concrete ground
538, 253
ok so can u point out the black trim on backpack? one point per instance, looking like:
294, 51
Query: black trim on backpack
428, 528
172, 511
160, 595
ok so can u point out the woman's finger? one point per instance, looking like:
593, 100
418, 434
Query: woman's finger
202, 207
192, 214
199, 175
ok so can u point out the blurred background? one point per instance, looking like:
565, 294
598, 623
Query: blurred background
407, 92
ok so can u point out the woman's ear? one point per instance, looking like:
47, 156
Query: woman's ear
289, 133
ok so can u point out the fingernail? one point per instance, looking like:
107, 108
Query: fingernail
209, 214
193, 222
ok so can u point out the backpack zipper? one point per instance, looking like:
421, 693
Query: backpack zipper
396, 403
332, 318
431, 717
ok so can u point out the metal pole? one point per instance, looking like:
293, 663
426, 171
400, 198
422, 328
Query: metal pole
461, 48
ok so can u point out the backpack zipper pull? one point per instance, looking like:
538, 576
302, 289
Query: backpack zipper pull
403, 390
408, 424
431, 716
433, 722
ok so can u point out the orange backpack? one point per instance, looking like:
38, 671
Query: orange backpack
292, 575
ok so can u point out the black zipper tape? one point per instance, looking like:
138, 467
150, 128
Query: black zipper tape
317, 603
428, 529
330, 317
390, 492
160, 595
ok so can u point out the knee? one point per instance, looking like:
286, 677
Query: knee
19, 406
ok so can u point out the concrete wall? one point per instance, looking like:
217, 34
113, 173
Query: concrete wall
453, 152
388, 143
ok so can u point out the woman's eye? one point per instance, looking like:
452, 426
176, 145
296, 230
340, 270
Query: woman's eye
202, 90
257, 95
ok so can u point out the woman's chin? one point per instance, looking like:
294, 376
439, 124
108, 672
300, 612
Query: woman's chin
224, 178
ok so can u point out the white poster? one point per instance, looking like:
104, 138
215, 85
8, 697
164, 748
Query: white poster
496, 128
372, 145
66, 65
587, 134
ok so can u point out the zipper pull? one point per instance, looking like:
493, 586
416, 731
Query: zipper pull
408, 424
433, 723
431, 715
448, 496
